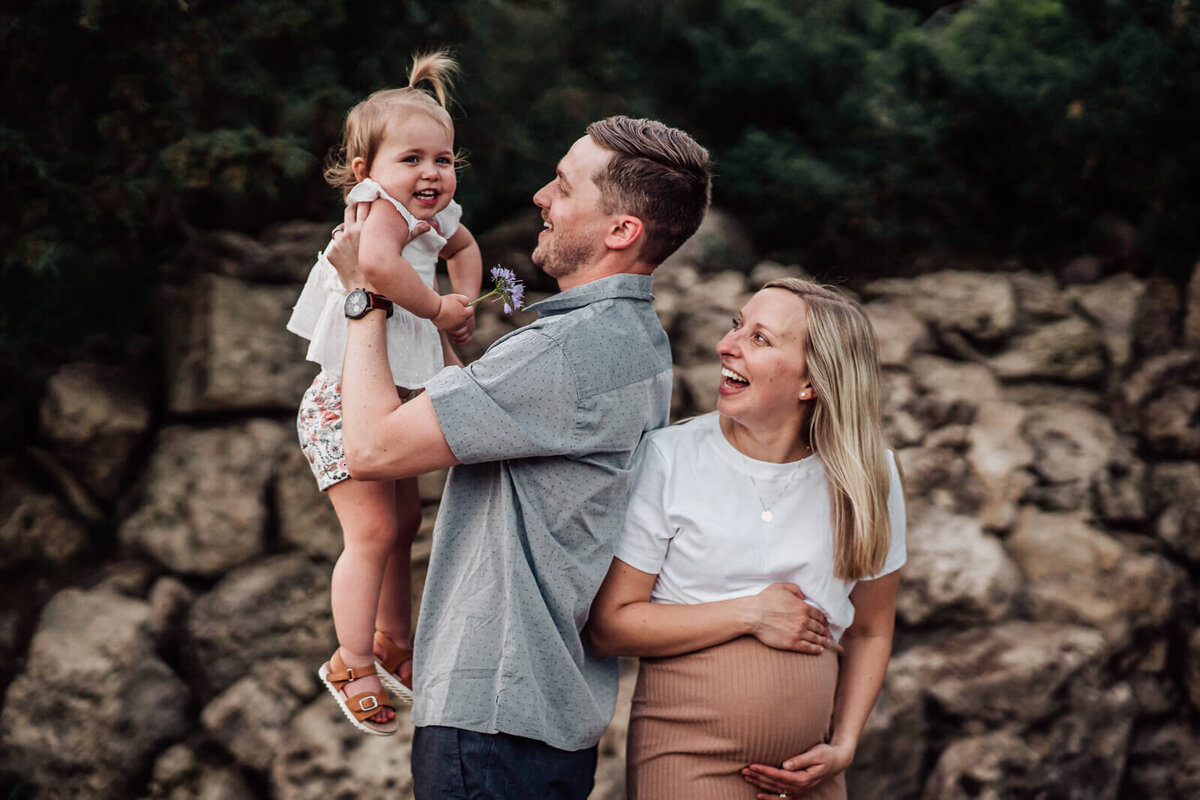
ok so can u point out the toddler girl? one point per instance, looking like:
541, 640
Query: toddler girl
398, 154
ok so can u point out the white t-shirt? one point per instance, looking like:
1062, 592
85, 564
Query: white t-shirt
695, 520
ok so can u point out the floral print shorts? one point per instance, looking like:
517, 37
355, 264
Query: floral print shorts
319, 424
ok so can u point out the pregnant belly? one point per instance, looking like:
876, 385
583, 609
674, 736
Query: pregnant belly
731, 705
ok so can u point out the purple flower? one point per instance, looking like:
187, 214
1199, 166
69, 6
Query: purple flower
507, 288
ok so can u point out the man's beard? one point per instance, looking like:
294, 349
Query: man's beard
563, 256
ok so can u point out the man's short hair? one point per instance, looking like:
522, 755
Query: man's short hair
659, 175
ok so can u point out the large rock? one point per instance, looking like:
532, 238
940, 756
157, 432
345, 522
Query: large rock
95, 701
719, 243
986, 767
1156, 328
700, 383
695, 334
1113, 304
277, 608
95, 417
1067, 350
323, 756
938, 472
1191, 311
293, 246
979, 305
1039, 297
1076, 451
956, 574
1162, 400
1007, 672
1079, 574
1175, 492
1000, 458
250, 719
205, 507
228, 348
900, 332
1164, 761
307, 520
35, 526
1192, 672
180, 774
1080, 757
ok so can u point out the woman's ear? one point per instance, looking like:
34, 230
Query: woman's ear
358, 165
807, 392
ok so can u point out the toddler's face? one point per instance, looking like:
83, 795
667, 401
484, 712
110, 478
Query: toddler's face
415, 164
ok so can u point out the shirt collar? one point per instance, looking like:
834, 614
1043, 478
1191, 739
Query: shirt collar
636, 287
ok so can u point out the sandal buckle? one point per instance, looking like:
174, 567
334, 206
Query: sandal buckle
362, 704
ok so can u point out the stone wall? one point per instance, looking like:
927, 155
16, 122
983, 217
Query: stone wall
167, 555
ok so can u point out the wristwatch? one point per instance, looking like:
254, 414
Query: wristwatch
360, 301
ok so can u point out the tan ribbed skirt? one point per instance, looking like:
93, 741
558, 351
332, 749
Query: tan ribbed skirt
699, 718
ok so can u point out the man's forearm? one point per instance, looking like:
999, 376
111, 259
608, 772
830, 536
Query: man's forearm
368, 393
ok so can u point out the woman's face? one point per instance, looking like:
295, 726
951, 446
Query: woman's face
764, 375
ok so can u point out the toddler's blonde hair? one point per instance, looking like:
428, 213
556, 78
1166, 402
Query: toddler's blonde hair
366, 122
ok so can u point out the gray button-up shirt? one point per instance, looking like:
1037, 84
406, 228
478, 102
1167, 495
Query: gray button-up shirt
546, 424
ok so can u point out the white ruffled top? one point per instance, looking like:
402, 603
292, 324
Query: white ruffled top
414, 347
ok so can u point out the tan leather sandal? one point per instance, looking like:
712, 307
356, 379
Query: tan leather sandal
359, 708
388, 669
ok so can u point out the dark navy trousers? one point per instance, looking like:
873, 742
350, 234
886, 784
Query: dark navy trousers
455, 764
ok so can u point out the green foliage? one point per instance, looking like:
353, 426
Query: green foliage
840, 128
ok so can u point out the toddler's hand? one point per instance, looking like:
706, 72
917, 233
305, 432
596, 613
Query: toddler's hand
453, 312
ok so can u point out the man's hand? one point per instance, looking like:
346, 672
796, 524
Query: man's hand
343, 252
463, 333
783, 620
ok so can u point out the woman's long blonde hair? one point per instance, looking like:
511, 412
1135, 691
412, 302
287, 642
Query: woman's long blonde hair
845, 428
366, 122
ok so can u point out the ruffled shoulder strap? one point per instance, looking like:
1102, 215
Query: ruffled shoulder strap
368, 190
448, 219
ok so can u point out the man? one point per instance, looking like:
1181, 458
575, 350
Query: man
541, 433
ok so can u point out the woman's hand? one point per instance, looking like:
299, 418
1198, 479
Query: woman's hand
799, 772
780, 618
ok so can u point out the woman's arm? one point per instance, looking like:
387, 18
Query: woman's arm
384, 235
867, 648
623, 621
465, 265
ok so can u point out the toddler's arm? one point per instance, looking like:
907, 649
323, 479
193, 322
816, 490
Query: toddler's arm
465, 265
384, 235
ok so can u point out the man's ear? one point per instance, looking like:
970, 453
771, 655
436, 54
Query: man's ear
358, 165
626, 230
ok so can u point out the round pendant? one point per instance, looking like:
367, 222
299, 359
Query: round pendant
767, 516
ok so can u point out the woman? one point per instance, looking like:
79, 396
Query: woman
755, 539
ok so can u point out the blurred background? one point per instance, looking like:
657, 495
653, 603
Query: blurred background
1009, 185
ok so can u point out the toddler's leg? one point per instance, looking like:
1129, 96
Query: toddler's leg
394, 615
367, 512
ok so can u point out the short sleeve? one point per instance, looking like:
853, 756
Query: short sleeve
647, 533
897, 552
517, 401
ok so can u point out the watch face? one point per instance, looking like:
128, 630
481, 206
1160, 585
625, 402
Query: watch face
356, 304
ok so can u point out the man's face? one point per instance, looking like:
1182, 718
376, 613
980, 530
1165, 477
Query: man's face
574, 227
